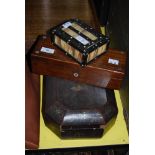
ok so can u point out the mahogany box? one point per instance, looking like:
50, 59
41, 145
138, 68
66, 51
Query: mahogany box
79, 40
107, 71
75, 110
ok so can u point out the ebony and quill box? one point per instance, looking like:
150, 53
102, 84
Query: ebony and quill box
79, 40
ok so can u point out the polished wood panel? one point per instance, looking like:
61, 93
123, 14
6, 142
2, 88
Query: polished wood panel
32, 109
98, 73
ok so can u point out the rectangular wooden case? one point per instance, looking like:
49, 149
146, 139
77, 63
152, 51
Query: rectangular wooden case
78, 40
107, 71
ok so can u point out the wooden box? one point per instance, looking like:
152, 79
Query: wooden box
107, 71
78, 40
74, 110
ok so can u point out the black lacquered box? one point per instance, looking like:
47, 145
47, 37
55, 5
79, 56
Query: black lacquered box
74, 110
79, 40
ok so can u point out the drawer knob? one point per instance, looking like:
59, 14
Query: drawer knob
76, 74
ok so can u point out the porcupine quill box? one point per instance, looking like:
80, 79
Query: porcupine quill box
78, 40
